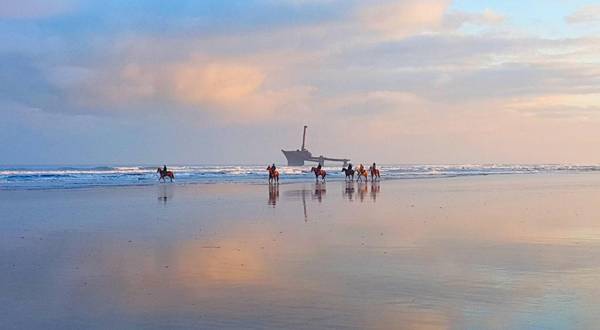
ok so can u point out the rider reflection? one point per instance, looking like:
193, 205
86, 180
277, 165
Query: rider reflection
362, 190
375, 189
349, 190
165, 193
273, 194
319, 191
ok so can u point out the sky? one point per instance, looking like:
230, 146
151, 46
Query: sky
225, 82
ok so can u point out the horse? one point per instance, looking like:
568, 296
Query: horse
374, 173
165, 174
273, 175
349, 173
361, 173
319, 172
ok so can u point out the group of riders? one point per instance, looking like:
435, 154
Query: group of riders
360, 171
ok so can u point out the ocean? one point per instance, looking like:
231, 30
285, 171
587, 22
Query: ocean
66, 177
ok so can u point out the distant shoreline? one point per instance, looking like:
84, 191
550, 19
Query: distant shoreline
263, 181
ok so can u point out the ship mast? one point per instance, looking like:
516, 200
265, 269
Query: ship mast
304, 137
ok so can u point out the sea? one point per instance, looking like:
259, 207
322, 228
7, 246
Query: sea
68, 177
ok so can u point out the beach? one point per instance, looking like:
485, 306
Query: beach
474, 252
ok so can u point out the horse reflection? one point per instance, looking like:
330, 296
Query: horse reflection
165, 193
348, 191
273, 194
319, 191
375, 189
362, 190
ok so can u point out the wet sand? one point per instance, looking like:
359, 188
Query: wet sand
493, 252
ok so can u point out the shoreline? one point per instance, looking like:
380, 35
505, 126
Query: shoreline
296, 181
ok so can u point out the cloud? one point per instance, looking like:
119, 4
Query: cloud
455, 20
560, 106
406, 68
400, 19
586, 14
231, 89
215, 83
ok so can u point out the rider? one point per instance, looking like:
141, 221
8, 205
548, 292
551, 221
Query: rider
361, 168
165, 168
319, 167
349, 166
374, 167
273, 168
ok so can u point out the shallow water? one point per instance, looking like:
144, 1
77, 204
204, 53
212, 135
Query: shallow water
61, 177
477, 252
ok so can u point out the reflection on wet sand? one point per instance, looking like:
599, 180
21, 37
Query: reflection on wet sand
316, 191
320, 190
273, 194
348, 191
165, 192
474, 253
361, 190
375, 189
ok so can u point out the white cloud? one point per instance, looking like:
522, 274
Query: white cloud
586, 14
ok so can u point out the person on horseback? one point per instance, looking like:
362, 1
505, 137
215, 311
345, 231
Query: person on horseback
374, 171
164, 173
349, 166
273, 168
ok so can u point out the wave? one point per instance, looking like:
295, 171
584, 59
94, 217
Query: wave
48, 177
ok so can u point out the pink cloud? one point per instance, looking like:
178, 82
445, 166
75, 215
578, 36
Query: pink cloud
404, 18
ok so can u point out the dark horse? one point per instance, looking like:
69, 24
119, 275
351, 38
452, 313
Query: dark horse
165, 174
349, 173
319, 173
